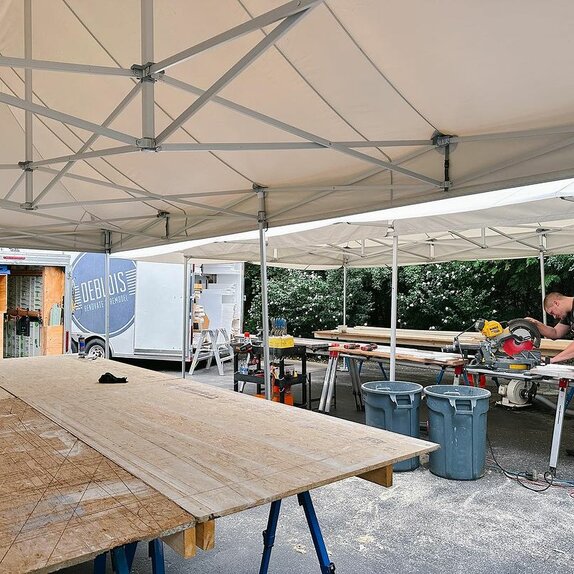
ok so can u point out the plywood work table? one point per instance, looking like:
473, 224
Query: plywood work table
406, 354
356, 356
195, 444
62, 502
422, 338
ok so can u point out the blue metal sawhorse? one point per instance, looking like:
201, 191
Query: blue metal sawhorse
123, 558
327, 567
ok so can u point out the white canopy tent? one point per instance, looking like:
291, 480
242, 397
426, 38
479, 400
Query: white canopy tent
140, 123
531, 229
137, 123
505, 232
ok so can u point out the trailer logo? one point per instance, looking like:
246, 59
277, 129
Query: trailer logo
89, 293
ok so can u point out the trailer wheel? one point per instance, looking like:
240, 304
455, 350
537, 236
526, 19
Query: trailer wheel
96, 348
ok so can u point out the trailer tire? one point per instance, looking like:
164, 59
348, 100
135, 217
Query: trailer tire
96, 348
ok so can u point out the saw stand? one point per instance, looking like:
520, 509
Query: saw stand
565, 379
564, 397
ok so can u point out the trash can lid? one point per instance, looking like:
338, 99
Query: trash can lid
456, 391
391, 387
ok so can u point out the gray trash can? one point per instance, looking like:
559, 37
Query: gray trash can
457, 421
394, 406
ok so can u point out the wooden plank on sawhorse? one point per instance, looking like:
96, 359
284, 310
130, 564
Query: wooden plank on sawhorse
382, 476
211, 343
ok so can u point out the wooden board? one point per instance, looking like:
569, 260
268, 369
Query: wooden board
3, 309
53, 282
311, 344
53, 340
410, 355
555, 371
211, 451
62, 502
421, 338
3, 293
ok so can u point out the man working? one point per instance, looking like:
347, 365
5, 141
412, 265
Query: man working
561, 308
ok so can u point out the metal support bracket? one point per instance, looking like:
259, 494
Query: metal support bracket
144, 73
148, 145
28, 206
444, 145
261, 213
26, 165
164, 215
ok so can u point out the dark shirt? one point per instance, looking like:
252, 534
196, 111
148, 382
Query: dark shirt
569, 320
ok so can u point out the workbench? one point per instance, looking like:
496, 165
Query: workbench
193, 445
282, 381
422, 338
356, 356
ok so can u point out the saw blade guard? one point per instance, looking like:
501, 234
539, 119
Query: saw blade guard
525, 336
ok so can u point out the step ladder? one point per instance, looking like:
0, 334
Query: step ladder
212, 344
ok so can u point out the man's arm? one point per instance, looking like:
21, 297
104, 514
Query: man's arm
567, 353
556, 332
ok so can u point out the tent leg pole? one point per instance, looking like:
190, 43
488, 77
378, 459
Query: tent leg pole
262, 219
542, 284
107, 242
185, 302
394, 282
345, 293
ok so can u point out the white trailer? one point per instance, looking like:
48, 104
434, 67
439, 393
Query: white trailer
146, 305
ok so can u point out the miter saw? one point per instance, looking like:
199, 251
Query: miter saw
510, 349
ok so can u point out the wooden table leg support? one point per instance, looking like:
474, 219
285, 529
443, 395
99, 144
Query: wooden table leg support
382, 476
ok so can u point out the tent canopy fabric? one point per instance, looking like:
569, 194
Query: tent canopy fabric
158, 122
501, 232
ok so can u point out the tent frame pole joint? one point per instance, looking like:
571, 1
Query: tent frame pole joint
443, 142
26, 165
261, 213
148, 145
144, 72
164, 215
27, 168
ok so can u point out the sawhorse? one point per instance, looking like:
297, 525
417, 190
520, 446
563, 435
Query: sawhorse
211, 343
304, 498
564, 398
123, 558
328, 391
459, 371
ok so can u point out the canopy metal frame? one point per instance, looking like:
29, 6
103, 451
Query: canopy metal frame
142, 78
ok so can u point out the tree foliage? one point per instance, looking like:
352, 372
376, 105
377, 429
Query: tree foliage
448, 296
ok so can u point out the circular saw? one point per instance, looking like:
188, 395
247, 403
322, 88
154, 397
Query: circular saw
510, 348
